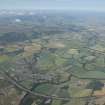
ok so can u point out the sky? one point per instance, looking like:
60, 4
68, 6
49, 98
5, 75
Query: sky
95, 5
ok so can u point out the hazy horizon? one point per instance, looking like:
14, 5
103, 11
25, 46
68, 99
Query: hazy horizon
82, 5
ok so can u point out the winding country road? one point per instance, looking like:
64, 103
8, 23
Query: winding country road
15, 83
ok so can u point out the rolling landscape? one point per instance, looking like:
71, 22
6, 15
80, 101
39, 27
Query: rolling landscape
52, 57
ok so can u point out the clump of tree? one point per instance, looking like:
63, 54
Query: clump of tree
84, 60
94, 86
13, 37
